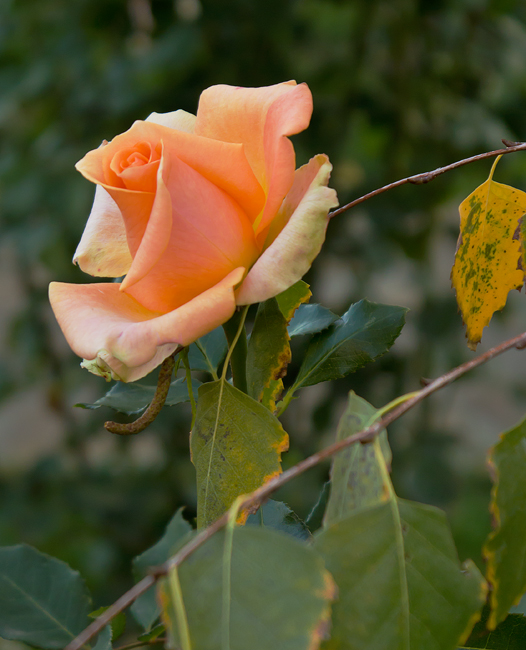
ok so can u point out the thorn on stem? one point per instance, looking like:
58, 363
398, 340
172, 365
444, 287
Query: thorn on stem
163, 386
510, 143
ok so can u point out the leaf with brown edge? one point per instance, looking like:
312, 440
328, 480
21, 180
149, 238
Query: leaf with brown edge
277, 596
271, 394
488, 259
505, 549
268, 354
292, 298
236, 447
401, 586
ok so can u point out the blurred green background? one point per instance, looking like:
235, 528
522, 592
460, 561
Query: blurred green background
400, 87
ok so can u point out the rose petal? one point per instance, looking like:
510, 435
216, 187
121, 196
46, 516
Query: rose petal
148, 226
210, 237
100, 322
226, 166
178, 120
103, 249
224, 163
137, 166
260, 118
148, 217
290, 255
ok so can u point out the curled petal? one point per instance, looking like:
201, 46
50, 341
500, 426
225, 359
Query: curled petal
103, 249
260, 119
303, 221
288, 115
110, 329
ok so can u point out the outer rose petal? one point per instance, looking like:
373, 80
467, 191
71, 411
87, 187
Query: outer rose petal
260, 118
292, 252
109, 327
178, 120
103, 249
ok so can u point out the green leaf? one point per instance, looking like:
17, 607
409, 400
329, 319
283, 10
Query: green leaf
118, 623
509, 635
236, 446
399, 581
208, 351
505, 549
145, 609
278, 516
104, 639
365, 332
292, 298
268, 353
275, 595
153, 634
395, 564
310, 319
357, 480
133, 398
43, 602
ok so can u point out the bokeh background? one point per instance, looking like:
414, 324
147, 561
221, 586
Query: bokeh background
400, 87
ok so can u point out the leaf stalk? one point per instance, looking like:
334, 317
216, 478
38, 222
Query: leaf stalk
161, 393
237, 354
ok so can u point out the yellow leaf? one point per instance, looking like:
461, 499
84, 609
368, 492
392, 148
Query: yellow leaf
488, 258
236, 446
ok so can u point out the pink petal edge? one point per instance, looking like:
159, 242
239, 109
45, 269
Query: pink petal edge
118, 337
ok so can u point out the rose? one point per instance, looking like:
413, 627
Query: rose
200, 214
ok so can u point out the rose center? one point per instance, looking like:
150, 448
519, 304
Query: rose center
136, 166
135, 160
138, 155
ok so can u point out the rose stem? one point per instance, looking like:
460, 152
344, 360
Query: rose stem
238, 358
161, 393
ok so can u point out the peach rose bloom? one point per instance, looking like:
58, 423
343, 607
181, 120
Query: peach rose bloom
199, 214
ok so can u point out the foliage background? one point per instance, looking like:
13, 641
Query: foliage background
400, 87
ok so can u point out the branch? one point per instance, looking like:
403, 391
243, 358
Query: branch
262, 493
161, 393
426, 177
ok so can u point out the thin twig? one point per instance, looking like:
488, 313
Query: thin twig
262, 493
140, 644
426, 177
118, 606
161, 393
